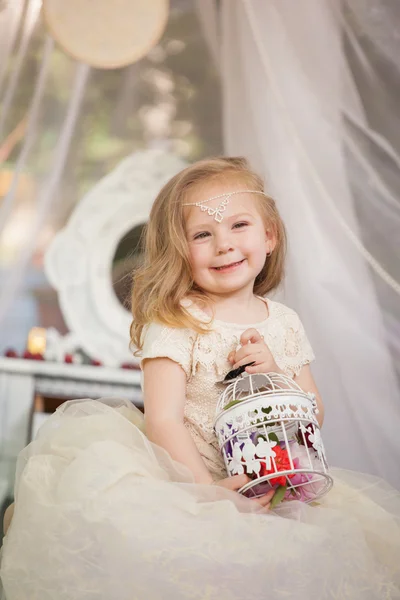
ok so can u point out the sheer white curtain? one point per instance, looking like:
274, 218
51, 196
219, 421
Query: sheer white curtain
310, 97
10, 21
29, 207
16, 16
47, 196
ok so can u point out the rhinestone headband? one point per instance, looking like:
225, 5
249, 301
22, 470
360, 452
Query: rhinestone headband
217, 212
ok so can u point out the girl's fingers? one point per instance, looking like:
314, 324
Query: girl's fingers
251, 349
247, 351
238, 481
269, 494
260, 368
248, 359
265, 501
251, 335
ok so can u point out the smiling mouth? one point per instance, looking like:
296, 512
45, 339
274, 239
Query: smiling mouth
230, 266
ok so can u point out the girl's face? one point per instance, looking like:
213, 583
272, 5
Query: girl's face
226, 257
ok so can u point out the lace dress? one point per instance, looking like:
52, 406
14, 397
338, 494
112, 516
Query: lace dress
203, 357
101, 513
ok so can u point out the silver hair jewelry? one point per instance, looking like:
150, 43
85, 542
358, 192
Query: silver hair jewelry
217, 212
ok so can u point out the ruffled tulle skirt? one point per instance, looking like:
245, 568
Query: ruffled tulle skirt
103, 514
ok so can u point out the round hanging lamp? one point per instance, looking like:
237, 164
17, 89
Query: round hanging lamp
106, 34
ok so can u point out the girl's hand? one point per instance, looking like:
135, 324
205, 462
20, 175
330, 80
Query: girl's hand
238, 481
253, 349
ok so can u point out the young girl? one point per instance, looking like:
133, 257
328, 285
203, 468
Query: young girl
104, 510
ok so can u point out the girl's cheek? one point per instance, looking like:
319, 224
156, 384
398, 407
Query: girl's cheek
197, 254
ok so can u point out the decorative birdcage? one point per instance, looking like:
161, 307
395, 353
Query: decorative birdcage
267, 428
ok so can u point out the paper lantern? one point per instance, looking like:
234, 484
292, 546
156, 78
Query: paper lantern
103, 33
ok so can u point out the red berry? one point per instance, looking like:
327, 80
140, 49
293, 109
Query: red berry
96, 363
68, 358
11, 353
28, 355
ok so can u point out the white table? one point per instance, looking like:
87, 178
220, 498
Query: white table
21, 380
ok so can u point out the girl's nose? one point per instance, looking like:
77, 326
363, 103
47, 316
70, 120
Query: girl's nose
223, 244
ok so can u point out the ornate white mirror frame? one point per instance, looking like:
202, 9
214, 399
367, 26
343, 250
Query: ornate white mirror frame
79, 261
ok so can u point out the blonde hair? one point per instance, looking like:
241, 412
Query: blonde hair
165, 279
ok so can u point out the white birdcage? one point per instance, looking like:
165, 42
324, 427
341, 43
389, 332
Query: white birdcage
267, 428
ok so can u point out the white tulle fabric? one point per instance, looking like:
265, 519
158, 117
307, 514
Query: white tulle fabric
102, 513
310, 96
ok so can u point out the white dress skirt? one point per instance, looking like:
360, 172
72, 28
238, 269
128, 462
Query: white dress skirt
103, 514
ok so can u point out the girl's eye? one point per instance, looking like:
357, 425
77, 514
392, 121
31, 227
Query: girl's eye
201, 235
241, 224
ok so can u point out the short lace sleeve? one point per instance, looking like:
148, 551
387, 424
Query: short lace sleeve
288, 341
161, 341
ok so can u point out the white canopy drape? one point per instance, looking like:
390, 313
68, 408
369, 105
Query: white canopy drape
309, 96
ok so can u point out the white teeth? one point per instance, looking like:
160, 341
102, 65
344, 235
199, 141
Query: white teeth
225, 266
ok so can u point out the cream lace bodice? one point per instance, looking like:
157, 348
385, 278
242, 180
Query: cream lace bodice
203, 357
